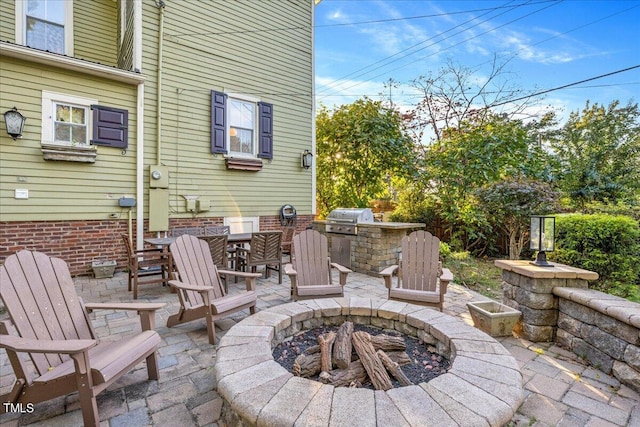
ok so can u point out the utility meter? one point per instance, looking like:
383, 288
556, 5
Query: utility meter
158, 176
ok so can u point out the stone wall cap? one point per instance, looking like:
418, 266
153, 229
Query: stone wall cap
613, 306
558, 271
393, 225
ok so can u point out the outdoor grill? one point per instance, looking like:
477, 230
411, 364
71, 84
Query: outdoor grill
346, 220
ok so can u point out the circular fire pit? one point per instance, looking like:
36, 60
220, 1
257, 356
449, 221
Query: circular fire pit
482, 387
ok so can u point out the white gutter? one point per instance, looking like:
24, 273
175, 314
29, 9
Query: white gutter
69, 63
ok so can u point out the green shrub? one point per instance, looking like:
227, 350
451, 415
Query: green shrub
606, 244
445, 250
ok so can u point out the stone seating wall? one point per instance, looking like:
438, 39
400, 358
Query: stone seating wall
602, 329
558, 306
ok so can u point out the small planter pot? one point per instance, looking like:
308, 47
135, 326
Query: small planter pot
103, 269
494, 318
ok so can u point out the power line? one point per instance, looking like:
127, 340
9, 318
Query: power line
345, 24
417, 95
454, 45
424, 41
567, 85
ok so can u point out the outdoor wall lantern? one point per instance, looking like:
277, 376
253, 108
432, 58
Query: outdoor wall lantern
14, 122
542, 238
307, 159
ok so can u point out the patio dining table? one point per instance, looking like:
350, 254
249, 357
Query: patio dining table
235, 238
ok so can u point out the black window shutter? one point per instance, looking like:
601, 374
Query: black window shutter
110, 126
218, 122
265, 130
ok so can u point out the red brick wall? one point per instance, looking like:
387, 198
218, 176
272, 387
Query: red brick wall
80, 242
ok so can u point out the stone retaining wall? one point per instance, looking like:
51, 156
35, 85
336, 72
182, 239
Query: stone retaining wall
557, 306
603, 329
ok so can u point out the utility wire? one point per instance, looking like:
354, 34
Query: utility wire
566, 86
346, 24
515, 54
424, 41
449, 47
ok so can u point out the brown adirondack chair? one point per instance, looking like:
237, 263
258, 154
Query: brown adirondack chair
55, 331
200, 289
310, 268
145, 263
421, 278
264, 249
287, 239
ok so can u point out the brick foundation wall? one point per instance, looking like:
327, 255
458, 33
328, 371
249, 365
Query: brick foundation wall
81, 242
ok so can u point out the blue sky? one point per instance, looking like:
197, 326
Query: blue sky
547, 44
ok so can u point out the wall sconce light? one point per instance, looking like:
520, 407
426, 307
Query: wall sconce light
14, 122
542, 238
307, 159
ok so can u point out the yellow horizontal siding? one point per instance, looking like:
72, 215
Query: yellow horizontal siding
58, 189
95, 28
7, 20
274, 66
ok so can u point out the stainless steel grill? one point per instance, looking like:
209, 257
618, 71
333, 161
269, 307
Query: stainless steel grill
346, 220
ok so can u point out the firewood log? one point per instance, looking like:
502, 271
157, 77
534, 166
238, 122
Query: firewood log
393, 368
326, 344
342, 346
372, 364
307, 365
354, 374
388, 342
400, 357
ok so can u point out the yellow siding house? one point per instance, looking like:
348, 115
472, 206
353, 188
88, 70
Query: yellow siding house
147, 115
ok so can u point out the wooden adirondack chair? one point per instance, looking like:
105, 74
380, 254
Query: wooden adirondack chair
310, 268
200, 289
421, 278
264, 249
55, 331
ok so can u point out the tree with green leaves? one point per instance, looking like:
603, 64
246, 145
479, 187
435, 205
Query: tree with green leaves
476, 154
598, 152
359, 147
511, 202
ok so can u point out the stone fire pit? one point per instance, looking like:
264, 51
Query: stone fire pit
482, 388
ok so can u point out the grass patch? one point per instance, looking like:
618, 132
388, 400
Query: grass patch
479, 275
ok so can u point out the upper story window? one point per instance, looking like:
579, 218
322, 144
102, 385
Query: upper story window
241, 126
45, 25
66, 120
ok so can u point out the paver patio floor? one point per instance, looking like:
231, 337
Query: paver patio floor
560, 390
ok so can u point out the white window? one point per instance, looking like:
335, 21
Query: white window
66, 120
45, 25
242, 119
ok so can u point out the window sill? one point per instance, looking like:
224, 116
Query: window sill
244, 164
69, 153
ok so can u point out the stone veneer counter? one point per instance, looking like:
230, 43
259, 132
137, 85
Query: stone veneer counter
375, 247
483, 387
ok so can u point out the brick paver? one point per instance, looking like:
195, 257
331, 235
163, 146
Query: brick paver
560, 389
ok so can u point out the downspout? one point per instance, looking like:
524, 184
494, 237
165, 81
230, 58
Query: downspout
137, 66
313, 107
140, 168
160, 5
